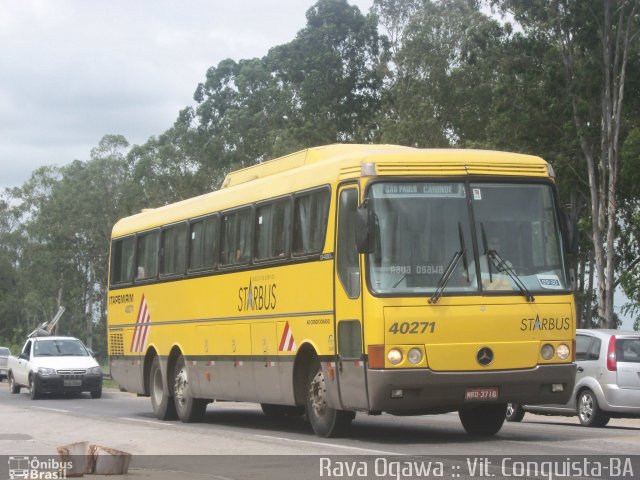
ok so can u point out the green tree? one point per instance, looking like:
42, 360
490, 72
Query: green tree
66, 215
594, 40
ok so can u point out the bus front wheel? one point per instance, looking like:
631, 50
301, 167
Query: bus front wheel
163, 406
189, 409
483, 420
325, 421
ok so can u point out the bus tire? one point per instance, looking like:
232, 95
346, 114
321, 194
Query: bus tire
589, 412
325, 421
13, 386
275, 411
188, 408
163, 405
483, 420
515, 412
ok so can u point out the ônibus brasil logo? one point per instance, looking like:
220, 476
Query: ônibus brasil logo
28, 468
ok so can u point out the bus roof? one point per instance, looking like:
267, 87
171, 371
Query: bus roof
327, 164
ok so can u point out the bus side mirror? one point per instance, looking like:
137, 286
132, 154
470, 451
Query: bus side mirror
364, 230
570, 227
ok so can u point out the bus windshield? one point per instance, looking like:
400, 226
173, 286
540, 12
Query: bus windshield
422, 229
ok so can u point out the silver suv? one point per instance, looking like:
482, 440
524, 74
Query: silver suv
607, 380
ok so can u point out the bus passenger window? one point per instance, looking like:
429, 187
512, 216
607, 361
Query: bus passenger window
147, 256
235, 244
173, 250
203, 242
272, 230
122, 266
310, 222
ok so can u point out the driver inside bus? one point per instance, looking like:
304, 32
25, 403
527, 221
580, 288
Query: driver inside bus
492, 277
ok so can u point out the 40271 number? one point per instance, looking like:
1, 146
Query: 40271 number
412, 327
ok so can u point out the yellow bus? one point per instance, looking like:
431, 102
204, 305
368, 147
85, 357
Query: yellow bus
351, 278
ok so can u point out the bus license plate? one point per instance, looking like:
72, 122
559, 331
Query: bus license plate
486, 393
73, 383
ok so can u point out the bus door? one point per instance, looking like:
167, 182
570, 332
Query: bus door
350, 365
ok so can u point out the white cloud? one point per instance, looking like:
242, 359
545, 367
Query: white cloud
73, 71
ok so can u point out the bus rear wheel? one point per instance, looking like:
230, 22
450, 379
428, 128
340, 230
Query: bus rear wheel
189, 409
483, 420
325, 421
163, 406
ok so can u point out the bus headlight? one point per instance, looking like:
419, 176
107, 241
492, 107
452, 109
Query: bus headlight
414, 356
394, 356
563, 351
547, 351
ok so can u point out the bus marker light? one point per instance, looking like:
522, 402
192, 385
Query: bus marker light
376, 356
368, 170
557, 387
398, 393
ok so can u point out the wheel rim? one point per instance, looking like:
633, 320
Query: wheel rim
157, 387
318, 394
586, 407
181, 386
510, 409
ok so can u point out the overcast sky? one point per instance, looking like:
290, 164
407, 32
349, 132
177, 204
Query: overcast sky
72, 71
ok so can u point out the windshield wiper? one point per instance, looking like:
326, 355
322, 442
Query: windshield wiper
503, 266
446, 276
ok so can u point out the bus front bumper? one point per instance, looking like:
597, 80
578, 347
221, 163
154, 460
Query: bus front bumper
416, 390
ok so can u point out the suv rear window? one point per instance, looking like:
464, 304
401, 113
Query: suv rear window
628, 350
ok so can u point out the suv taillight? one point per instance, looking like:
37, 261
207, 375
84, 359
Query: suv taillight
612, 364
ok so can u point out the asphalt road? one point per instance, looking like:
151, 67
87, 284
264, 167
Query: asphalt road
125, 422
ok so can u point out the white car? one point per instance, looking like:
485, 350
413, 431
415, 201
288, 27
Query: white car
55, 365
607, 380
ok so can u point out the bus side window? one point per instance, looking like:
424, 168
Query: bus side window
122, 260
147, 256
235, 242
272, 230
203, 240
310, 217
347, 252
173, 250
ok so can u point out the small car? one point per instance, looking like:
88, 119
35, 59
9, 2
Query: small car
607, 380
50, 364
4, 355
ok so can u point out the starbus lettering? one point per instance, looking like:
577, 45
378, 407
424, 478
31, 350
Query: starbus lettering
257, 297
550, 323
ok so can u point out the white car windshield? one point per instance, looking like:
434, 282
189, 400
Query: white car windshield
60, 348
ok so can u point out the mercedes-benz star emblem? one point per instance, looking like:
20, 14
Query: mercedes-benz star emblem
484, 356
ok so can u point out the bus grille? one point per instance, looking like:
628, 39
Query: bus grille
116, 344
